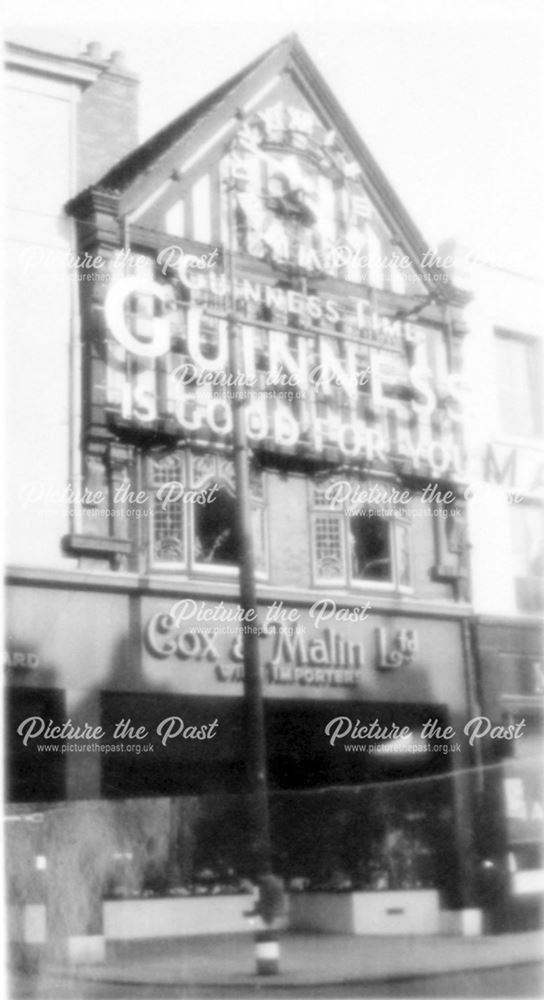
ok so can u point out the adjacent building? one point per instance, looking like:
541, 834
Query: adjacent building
258, 211
503, 371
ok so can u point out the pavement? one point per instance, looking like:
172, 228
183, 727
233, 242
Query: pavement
307, 959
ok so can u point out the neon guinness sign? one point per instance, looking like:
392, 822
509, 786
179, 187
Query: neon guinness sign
301, 389
318, 372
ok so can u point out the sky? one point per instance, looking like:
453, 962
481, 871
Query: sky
449, 96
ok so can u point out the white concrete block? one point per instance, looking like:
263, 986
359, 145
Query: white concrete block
86, 949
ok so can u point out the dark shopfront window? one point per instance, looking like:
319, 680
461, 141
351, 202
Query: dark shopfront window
337, 823
523, 795
388, 836
388, 827
164, 762
391, 836
31, 775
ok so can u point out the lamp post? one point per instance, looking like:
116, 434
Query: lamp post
270, 894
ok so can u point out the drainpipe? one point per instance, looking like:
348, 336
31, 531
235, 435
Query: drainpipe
75, 473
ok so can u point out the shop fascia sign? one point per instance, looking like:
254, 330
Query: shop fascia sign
322, 659
22, 659
312, 367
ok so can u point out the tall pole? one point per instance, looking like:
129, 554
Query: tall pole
255, 725
267, 951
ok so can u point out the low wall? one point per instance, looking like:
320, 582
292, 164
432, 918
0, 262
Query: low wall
385, 912
27, 923
171, 916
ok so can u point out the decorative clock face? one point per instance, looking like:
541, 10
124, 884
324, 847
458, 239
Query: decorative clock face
297, 197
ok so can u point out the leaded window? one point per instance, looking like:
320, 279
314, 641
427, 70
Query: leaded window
168, 523
193, 514
358, 543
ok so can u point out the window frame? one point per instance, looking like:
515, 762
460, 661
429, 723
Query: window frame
208, 568
163, 565
327, 581
358, 582
534, 382
398, 519
190, 565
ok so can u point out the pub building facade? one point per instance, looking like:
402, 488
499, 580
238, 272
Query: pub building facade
261, 207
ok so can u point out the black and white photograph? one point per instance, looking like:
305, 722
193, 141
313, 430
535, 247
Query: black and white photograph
273, 308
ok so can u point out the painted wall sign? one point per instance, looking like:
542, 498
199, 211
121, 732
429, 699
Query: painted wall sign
514, 467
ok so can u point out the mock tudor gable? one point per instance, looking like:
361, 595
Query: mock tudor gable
295, 156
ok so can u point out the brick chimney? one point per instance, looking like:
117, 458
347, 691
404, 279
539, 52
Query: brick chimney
107, 126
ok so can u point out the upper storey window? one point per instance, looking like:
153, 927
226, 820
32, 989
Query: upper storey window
200, 535
358, 544
519, 384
